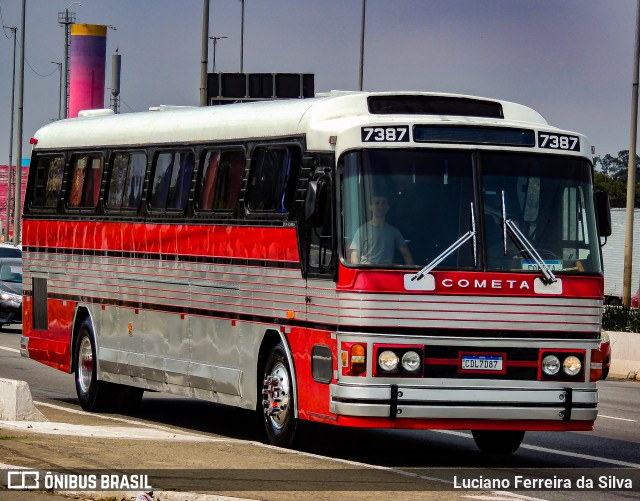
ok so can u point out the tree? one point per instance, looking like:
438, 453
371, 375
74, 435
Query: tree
611, 176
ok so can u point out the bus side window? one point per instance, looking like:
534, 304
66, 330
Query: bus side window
208, 180
86, 175
171, 180
273, 179
181, 181
135, 179
126, 178
219, 187
54, 182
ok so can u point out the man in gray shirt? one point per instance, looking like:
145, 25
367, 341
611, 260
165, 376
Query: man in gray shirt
376, 241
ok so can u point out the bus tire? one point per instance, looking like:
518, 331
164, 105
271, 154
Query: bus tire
498, 441
278, 401
94, 395
128, 398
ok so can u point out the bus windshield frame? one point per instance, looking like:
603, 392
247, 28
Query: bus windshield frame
434, 197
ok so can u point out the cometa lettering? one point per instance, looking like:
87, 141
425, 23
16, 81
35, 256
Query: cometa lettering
464, 283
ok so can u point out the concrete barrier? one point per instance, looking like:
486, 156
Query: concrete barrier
16, 403
625, 354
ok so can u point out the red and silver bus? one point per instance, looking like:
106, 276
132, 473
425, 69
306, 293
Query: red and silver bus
389, 260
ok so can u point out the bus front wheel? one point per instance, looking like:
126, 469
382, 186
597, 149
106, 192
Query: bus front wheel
498, 442
278, 400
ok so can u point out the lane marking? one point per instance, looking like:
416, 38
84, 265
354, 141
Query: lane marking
618, 418
553, 451
9, 349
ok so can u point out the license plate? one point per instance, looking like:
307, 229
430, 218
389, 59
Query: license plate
481, 363
552, 264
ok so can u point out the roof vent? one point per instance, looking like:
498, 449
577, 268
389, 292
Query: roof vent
94, 113
434, 105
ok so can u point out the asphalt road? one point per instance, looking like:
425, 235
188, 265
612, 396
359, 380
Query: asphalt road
614, 444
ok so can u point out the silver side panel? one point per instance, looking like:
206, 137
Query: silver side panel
460, 312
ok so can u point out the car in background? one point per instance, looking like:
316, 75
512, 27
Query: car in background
10, 291
634, 299
10, 250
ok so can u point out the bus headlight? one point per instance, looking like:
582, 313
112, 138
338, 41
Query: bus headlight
411, 361
571, 365
550, 365
388, 361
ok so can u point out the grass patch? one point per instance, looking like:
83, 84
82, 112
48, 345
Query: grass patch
5, 437
620, 319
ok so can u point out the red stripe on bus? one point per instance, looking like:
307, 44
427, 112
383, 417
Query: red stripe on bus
272, 243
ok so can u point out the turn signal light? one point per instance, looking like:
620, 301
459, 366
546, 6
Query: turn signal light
358, 359
595, 372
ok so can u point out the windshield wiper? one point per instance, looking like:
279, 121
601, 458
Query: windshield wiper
471, 234
508, 226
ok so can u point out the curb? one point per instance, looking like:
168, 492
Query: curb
16, 403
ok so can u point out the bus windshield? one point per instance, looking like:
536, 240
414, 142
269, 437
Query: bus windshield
404, 208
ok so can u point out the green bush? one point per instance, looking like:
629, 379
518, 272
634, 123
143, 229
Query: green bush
617, 318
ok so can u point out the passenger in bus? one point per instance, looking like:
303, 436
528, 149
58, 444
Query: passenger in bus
376, 241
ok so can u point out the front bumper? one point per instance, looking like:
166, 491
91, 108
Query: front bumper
561, 404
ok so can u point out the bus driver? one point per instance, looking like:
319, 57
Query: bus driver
376, 241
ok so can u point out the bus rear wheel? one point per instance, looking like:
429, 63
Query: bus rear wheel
498, 442
94, 395
278, 400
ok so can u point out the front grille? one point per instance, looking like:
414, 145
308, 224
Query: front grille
443, 362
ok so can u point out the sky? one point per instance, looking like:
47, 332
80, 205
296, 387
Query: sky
570, 60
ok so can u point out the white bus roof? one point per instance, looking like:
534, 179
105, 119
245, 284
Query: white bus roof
317, 118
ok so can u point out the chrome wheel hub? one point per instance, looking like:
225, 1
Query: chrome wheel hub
85, 365
275, 396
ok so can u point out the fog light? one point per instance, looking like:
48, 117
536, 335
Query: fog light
411, 361
388, 361
571, 365
550, 365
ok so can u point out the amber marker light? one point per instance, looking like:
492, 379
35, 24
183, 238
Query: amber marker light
358, 358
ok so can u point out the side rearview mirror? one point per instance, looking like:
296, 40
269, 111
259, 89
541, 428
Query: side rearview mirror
603, 212
315, 200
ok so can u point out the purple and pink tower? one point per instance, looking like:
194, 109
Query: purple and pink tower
87, 67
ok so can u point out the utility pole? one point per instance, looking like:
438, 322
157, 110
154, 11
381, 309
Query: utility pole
215, 42
242, 38
204, 52
66, 19
14, 29
17, 197
361, 74
631, 171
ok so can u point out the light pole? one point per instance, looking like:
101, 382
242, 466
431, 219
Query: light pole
204, 52
242, 38
66, 19
215, 42
14, 29
59, 90
361, 74
17, 198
